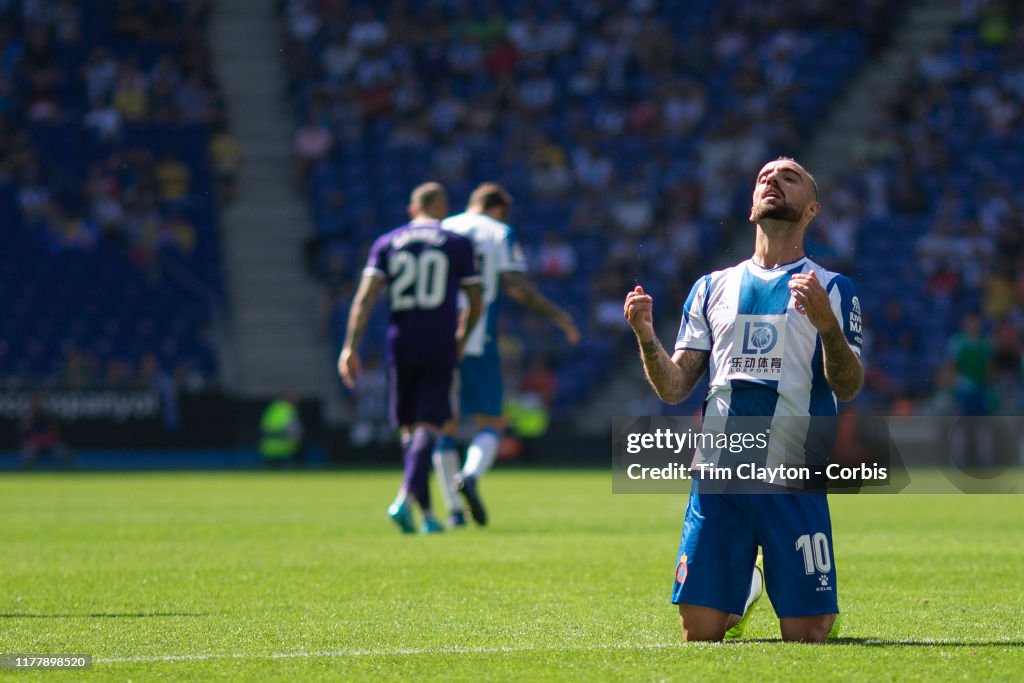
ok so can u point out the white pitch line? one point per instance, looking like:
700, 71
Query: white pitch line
332, 654
400, 652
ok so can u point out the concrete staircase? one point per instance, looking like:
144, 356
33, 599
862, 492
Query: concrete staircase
928, 22
272, 342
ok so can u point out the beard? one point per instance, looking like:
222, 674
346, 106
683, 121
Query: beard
780, 211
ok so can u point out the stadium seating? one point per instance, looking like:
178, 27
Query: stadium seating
945, 131
388, 86
108, 255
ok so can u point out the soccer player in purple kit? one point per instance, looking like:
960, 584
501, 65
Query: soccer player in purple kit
423, 267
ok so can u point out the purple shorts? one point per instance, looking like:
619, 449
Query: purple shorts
421, 392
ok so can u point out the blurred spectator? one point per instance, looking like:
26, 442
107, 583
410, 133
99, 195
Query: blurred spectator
970, 353
943, 399
540, 380
100, 74
79, 369
281, 432
450, 162
1008, 367
313, 141
556, 258
633, 211
549, 168
40, 435
152, 376
226, 157
173, 178
998, 292
131, 95
593, 169
104, 120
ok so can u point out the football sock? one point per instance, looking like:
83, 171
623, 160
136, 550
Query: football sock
446, 465
756, 591
417, 467
481, 453
403, 490
756, 587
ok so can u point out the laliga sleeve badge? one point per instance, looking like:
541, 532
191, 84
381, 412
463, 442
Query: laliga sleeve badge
681, 569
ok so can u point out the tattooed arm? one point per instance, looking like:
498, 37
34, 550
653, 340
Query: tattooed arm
842, 367
672, 378
520, 288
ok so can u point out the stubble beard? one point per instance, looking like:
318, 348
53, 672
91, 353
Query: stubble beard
779, 212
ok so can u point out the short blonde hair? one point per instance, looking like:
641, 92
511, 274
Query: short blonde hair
426, 195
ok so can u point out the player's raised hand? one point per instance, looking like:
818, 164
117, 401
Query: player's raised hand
349, 367
812, 300
638, 311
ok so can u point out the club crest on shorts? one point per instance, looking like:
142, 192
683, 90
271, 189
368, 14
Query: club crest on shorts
681, 569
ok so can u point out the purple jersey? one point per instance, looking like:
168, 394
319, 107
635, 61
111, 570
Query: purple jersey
425, 267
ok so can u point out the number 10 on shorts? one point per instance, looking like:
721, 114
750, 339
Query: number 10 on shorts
815, 550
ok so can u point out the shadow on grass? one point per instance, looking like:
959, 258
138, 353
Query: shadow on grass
875, 642
103, 615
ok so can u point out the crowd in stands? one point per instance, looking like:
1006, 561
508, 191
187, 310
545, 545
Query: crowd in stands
628, 134
939, 233
113, 149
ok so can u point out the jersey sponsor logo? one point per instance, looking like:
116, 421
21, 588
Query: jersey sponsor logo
758, 346
855, 322
681, 569
759, 337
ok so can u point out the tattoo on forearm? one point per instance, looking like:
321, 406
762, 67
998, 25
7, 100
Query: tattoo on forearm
527, 294
650, 349
672, 380
842, 368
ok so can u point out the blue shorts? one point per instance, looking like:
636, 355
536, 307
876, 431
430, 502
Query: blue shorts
480, 387
718, 548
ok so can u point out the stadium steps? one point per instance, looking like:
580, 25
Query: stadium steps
926, 23
273, 343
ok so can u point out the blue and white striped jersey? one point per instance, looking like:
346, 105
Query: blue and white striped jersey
766, 357
497, 252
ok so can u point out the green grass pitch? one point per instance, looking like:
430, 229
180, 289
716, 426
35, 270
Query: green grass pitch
284, 576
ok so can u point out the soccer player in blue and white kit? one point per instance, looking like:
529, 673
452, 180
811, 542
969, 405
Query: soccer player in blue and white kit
502, 268
808, 320
423, 268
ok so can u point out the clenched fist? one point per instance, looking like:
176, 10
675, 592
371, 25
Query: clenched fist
638, 313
